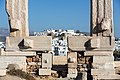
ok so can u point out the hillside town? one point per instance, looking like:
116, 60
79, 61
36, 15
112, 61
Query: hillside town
117, 44
56, 33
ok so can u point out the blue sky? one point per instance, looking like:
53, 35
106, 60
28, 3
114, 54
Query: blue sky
60, 14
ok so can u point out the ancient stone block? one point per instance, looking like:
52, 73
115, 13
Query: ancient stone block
109, 77
72, 59
3, 65
77, 43
12, 58
2, 72
102, 71
46, 60
59, 60
95, 43
19, 53
98, 53
103, 59
103, 65
40, 43
18, 60
12, 43
28, 43
106, 44
44, 71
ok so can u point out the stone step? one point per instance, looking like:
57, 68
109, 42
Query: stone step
102, 71
109, 77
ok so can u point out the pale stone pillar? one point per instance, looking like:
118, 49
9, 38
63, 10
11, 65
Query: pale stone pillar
101, 18
17, 11
101, 31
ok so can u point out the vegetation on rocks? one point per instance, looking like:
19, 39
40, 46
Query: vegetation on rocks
21, 74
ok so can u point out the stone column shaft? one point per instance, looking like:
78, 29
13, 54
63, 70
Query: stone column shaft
101, 18
17, 11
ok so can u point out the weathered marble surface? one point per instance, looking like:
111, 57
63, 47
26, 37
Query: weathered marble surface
101, 18
17, 11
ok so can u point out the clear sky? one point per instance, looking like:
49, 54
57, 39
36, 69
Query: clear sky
60, 14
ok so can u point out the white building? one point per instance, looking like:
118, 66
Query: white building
117, 44
2, 41
2, 44
59, 40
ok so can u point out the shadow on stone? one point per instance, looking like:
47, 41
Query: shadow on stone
21, 74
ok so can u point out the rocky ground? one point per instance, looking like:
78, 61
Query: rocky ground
9, 77
20, 75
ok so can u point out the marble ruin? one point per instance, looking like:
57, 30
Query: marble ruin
17, 11
61, 54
